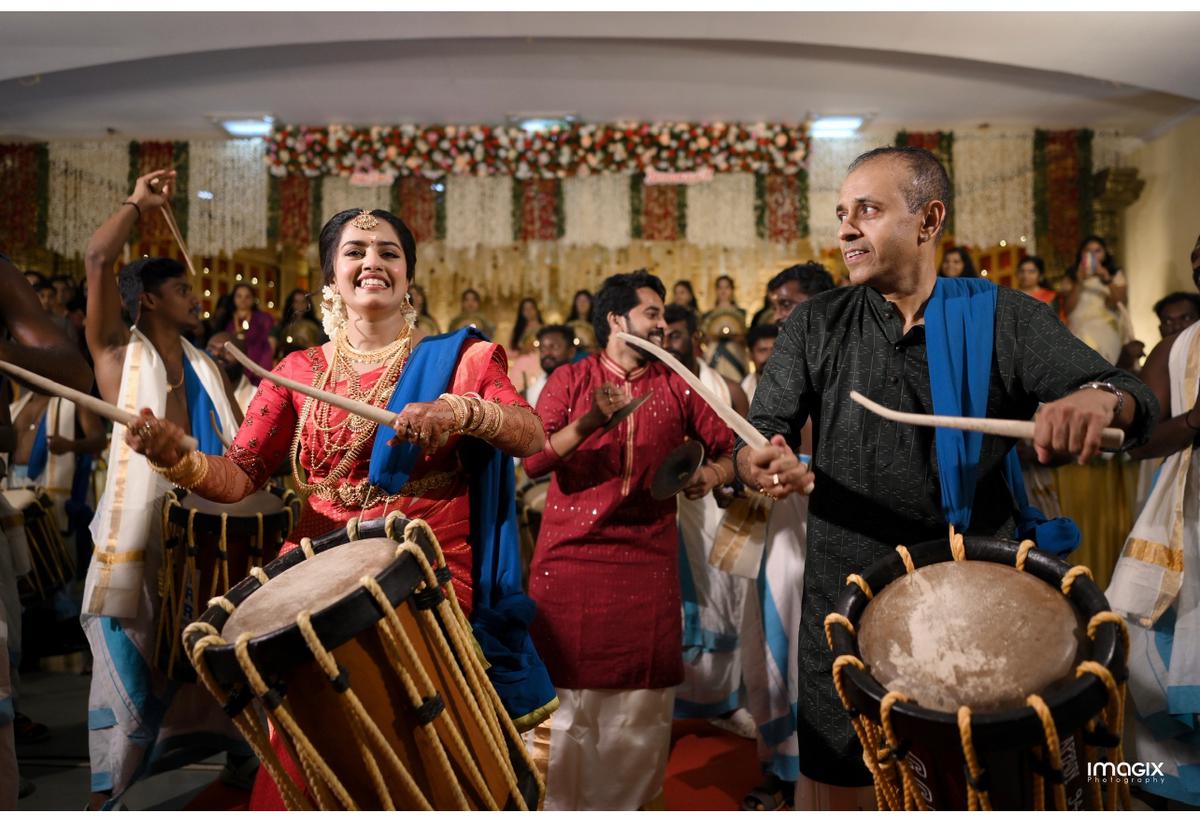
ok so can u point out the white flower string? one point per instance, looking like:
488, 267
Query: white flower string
993, 188
478, 211
227, 182
337, 194
333, 311
721, 212
88, 180
596, 210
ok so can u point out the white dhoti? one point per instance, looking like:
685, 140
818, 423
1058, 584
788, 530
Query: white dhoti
1156, 587
714, 603
770, 652
605, 749
140, 722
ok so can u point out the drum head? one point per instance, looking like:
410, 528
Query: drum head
309, 586
19, 498
260, 502
972, 632
533, 495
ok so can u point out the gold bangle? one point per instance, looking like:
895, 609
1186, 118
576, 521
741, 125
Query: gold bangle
191, 469
460, 409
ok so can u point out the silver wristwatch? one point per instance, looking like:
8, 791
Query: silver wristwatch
1111, 388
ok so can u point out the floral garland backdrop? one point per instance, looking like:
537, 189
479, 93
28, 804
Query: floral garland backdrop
827, 164
421, 204
145, 157
24, 179
479, 210
577, 149
993, 189
232, 176
658, 212
1062, 192
781, 206
721, 211
338, 194
291, 210
596, 210
88, 180
537, 209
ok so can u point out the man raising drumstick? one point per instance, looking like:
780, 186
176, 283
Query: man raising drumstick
876, 483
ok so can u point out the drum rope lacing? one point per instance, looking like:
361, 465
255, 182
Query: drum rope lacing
175, 605
52, 565
895, 786
418, 686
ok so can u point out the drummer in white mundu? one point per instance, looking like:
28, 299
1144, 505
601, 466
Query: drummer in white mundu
874, 482
147, 366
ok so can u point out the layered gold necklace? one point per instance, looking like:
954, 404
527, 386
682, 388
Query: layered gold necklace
345, 440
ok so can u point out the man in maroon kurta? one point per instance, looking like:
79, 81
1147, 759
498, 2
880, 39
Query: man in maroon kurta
605, 571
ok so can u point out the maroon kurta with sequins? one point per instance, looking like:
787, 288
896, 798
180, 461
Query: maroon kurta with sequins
605, 573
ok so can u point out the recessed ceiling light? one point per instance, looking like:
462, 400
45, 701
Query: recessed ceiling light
245, 125
543, 122
835, 126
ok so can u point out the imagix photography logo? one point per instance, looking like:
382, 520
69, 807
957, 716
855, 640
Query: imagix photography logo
1144, 772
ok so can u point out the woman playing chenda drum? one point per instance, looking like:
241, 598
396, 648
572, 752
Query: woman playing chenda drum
443, 461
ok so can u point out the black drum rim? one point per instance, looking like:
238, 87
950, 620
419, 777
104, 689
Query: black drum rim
1071, 705
275, 522
278, 652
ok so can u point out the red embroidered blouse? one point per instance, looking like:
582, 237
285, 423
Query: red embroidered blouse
438, 489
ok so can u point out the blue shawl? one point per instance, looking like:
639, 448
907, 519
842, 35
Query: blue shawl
502, 611
201, 412
960, 321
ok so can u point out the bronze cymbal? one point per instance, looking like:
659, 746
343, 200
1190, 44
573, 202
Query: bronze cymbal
677, 469
621, 413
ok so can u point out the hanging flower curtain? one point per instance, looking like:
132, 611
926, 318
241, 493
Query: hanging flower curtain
659, 212
145, 157
781, 206
578, 149
24, 180
537, 209
421, 204
1062, 194
291, 210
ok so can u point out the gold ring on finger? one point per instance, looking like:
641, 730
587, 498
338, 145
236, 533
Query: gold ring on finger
775, 479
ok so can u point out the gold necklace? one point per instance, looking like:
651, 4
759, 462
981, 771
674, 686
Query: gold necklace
175, 387
360, 435
343, 347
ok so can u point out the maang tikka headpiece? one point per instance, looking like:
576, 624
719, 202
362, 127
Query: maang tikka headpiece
365, 221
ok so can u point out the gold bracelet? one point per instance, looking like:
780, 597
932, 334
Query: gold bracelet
475, 404
460, 408
191, 469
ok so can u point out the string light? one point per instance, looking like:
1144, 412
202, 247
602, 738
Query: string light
1003, 243
983, 272
255, 279
207, 293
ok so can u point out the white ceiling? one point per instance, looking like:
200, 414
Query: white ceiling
160, 75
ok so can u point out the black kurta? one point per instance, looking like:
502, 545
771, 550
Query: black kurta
877, 481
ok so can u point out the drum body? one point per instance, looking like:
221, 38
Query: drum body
532, 498
207, 548
377, 688
51, 565
981, 683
